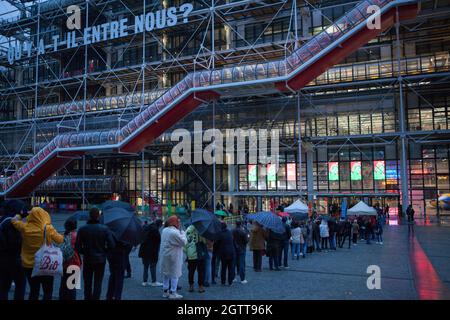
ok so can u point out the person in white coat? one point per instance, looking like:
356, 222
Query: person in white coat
173, 241
324, 234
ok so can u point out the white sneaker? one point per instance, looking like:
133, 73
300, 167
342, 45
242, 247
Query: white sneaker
175, 296
156, 284
166, 294
381, 242
145, 284
235, 280
244, 281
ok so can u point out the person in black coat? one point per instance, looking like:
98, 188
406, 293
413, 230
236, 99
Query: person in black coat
149, 252
226, 252
117, 260
284, 245
274, 241
93, 242
10, 262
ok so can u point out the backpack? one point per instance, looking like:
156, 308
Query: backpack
66, 247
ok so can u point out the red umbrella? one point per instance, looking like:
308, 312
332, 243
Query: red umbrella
282, 214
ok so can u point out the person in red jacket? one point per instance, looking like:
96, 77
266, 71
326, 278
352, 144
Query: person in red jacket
70, 236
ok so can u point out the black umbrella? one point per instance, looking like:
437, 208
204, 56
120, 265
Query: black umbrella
125, 225
13, 207
116, 204
207, 224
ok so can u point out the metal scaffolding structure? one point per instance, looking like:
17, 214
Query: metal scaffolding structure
91, 95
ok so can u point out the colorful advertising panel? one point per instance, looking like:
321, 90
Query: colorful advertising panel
355, 170
271, 172
252, 173
333, 171
291, 172
379, 172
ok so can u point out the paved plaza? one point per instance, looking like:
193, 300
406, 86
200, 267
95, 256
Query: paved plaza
341, 274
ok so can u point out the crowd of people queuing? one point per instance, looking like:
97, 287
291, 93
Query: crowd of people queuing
166, 243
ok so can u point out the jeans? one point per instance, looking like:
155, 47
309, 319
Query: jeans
324, 243
295, 250
147, 264
317, 243
227, 266
284, 252
273, 263
240, 264
215, 265
304, 247
65, 293
93, 272
170, 284
332, 240
115, 283
257, 260
379, 238
208, 267
35, 285
8, 274
198, 265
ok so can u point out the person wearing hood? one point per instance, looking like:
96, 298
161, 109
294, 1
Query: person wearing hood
94, 240
227, 254
173, 241
10, 261
32, 231
149, 252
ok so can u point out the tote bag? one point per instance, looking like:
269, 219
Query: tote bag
48, 260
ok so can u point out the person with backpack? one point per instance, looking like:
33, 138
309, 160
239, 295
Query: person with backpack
240, 239
196, 252
36, 230
11, 269
93, 242
70, 258
149, 252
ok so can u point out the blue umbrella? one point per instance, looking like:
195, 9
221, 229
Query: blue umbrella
268, 220
207, 224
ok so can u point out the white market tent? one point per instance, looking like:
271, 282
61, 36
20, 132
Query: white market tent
297, 207
361, 209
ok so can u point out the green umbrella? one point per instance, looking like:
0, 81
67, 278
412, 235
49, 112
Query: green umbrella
221, 213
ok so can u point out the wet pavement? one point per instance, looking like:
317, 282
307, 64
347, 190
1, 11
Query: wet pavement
413, 261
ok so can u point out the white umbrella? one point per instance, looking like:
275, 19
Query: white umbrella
361, 209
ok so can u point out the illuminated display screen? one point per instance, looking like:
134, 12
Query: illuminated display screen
271, 172
333, 171
291, 172
252, 173
379, 170
355, 173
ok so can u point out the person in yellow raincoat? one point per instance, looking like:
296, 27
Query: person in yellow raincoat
32, 231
